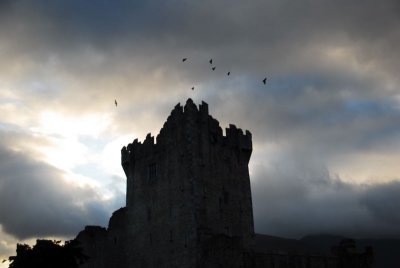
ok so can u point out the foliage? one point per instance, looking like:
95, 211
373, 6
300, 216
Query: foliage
48, 254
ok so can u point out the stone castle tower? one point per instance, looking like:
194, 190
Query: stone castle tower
187, 188
188, 205
188, 201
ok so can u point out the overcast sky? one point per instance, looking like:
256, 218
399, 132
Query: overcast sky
326, 126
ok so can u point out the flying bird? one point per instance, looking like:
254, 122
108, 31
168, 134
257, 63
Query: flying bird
116, 103
210, 61
184, 59
192, 88
228, 73
265, 80
213, 68
4, 261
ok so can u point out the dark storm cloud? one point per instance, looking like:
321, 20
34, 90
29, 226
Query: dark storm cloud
382, 201
36, 201
328, 64
260, 34
318, 114
294, 199
92, 40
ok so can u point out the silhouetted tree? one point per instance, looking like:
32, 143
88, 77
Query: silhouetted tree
48, 254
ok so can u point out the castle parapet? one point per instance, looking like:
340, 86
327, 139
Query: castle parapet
149, 140
236, 138
193, 121
203, 109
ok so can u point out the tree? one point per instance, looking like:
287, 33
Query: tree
48, 254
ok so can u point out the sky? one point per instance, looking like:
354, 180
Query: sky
326, 126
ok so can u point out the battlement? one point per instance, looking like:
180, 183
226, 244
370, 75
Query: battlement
182, 125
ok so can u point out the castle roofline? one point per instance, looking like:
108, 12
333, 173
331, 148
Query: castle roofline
191, 118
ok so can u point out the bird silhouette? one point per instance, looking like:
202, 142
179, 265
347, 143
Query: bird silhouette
265, 80
116, 103
213, 68
184, 59
228, 73
210, 61
192, 88
4, 261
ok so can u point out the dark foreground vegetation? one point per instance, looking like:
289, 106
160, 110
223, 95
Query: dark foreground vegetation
48, 254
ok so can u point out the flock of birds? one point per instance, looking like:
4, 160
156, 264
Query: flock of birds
212, 68
228, 73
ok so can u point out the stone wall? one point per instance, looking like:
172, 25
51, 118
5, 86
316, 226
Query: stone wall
94, 242
190, 185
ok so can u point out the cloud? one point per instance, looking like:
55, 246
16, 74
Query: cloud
87, 54
382, 201
36, 200
248, 37
328, 115
295, 197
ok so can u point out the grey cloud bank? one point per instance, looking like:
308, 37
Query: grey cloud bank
36, 201
293, 201
332, 92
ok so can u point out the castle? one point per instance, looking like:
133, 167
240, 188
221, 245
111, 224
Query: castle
188, 202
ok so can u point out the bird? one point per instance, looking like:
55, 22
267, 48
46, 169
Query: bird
210, 61
228, 73
265, 80
184, 59
192, 88
116, 103
4, 261
213, 68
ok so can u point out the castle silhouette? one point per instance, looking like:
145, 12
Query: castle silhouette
188, 204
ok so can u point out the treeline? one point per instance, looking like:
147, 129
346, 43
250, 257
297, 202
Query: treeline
48, 254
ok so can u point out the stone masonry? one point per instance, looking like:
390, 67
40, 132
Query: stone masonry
188, 201
187, 187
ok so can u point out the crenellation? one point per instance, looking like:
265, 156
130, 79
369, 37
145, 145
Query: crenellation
242, 141
177, 109
131, 147
149, 140
203, 108
191, 116
246, 141
125, 159
190, 106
